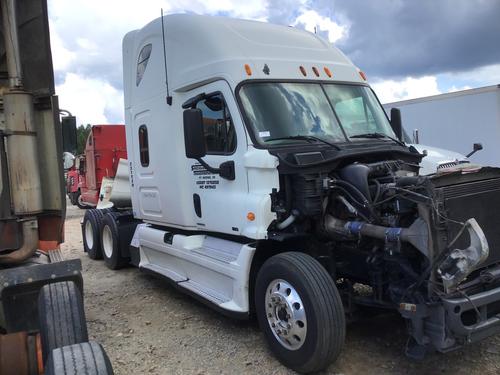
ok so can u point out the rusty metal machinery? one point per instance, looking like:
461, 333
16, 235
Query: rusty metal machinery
32, 203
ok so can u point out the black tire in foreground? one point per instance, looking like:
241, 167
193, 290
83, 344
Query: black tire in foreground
300, 311
110, 243
61, 316
87, 358
91, 232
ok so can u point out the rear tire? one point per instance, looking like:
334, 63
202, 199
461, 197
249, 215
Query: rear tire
87, 358
61, 316
110, 244
91, 232
300, 311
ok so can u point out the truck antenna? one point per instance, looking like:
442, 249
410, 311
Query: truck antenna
169, 98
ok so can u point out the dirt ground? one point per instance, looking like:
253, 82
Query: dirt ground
148, 327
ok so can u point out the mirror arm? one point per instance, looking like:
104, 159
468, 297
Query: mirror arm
208, 167
477, 147
225, 170
471, 153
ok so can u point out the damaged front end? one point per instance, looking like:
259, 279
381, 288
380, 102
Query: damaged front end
459, 263
427, 246
464, 282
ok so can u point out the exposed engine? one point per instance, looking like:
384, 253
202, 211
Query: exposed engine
410, 239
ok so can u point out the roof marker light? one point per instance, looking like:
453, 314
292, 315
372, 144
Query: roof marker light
362, 75
315, 71
248, 70
328, 72
303, 71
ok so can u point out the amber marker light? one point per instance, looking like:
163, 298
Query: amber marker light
250, 216
315, 71
328, 72
248, 70
362, 75
303, 71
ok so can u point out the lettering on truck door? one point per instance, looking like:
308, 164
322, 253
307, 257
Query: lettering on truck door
218, 202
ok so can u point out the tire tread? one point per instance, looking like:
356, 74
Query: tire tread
61, 316
331, 336
87, 358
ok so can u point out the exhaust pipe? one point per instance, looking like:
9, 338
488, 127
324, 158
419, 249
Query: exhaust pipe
30, 236
416, 234
456, 266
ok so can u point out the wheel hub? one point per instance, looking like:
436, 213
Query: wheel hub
107, 241
286, 314
89, 234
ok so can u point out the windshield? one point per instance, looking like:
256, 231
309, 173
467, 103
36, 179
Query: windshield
334, 112
358, 110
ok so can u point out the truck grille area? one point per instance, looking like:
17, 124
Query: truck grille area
479, 199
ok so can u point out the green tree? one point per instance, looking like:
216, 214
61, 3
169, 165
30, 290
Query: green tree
82, 133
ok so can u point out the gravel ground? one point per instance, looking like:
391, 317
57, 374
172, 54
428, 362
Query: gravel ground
148, 327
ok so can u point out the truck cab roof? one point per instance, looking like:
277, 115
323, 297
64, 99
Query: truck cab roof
201, 49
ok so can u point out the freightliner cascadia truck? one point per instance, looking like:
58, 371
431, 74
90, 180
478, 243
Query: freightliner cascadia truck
266, 180
42, 320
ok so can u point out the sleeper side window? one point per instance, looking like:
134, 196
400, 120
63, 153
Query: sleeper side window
142, 62
144, 145
220, 135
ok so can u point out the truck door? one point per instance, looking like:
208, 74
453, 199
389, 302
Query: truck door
218, 203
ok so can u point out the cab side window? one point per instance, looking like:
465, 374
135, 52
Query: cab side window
143, 145
220, 135
142, 62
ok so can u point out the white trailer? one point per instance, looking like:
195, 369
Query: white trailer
266, 180
456, 120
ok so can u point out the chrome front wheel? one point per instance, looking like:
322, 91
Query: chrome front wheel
286, 314
300, 311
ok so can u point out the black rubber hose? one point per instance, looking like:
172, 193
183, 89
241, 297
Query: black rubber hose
364, 199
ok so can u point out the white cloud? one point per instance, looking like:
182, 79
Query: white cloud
62, 58
86, 37
486, 75
408, 88
92, 101
455, 88
312, 20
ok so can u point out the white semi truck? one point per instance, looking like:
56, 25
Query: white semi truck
455, 121
267, 180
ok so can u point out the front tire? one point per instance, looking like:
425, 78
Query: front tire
300, 311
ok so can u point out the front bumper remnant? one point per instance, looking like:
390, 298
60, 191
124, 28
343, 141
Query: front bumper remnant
454, 322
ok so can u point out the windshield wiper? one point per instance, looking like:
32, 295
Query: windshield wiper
378, 136
305, 138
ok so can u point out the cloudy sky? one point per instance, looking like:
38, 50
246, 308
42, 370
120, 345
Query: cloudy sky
407, 48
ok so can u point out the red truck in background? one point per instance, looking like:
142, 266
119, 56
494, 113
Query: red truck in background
104, 148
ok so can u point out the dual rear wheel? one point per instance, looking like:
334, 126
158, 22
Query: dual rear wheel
101, 237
